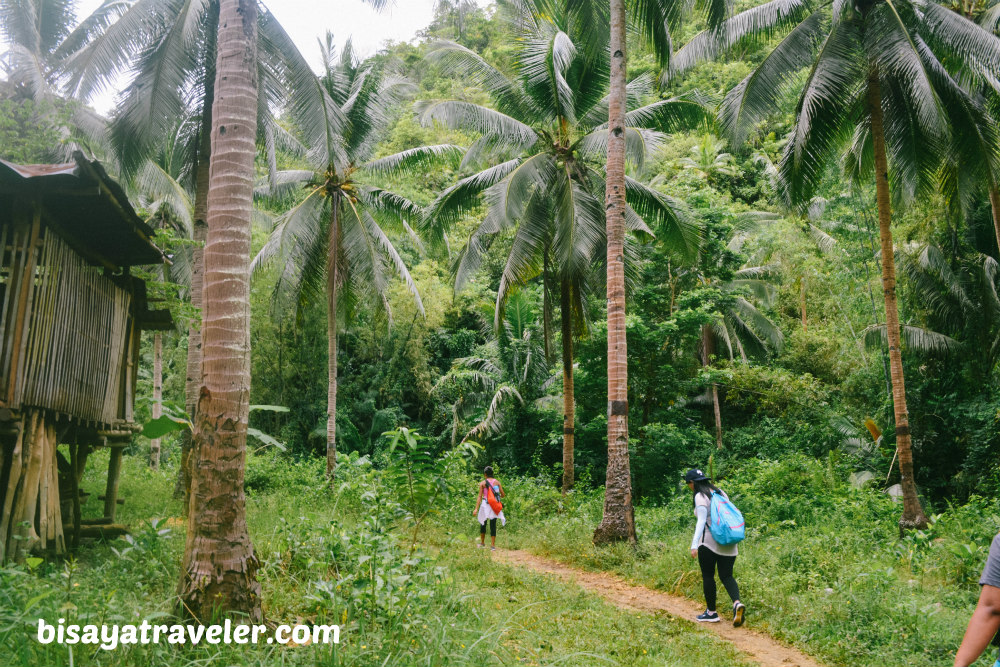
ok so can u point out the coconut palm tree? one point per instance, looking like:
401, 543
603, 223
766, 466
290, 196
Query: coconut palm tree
962, 307
170, 45
656, 20
708, 159
340, 229
741, 328
219, 569
875, 85
40, 37
973, 163
546, 142
508, 370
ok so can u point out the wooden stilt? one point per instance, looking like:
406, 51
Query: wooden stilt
114, 471
74, 477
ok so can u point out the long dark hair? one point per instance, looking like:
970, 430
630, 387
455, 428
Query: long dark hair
703, 486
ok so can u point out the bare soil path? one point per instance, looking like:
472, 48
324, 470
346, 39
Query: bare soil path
759, 646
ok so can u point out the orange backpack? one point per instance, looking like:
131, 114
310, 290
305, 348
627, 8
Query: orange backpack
492, 496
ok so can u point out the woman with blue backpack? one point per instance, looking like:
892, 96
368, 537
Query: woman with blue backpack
719, 528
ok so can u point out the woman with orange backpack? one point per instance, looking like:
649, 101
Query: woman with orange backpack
489, 508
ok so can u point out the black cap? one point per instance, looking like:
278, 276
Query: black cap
694, 475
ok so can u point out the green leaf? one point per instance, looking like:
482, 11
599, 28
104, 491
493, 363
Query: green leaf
270, 408
156, 428
266, 439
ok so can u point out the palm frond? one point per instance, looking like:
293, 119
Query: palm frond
916, 338
544, 64
318, 118
456, 59
389, 208
822, 121
295, 236
668, 217
385, 246
155, 183
760, 93
640, 145
751, 27
971, 44
636, 91
454, 114
458, 199
422, 157
493, 421
656, 18
671, 115
762, 325
579, 227
284, 183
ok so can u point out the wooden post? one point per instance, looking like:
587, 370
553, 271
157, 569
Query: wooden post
114, 472
154, 444
74, 480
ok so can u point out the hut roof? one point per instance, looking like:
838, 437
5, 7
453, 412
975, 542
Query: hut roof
85, 207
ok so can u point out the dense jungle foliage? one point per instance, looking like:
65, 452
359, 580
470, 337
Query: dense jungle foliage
776, 315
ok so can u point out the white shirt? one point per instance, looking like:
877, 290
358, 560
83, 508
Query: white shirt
702, 535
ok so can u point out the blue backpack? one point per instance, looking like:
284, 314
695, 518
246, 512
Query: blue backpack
725, 521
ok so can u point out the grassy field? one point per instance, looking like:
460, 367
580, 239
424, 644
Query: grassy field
331, 556
822, 568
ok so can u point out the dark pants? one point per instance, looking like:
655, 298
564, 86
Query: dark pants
709, 560
493, 528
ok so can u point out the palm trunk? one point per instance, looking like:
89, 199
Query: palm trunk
706, 357
219, 569
154, 444
913, 514
546, 308
331, 332
995, 206
569, 409
182, 488
618, 522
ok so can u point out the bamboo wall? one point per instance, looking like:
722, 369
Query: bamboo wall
68, 334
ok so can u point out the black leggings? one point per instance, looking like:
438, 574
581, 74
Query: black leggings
708, 560
493, 528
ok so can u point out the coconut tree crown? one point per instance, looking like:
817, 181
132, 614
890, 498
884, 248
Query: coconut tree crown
902, 43
539, 157
362, 96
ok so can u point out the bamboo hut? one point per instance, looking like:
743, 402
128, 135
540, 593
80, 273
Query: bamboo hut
70, 321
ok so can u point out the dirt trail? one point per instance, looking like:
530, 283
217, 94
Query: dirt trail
760, 647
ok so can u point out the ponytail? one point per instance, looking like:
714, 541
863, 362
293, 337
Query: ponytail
705, 487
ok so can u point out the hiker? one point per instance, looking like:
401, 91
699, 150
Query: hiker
985, 619
489, 508
709, 553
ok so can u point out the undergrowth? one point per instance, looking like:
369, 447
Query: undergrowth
344, 555
822, 567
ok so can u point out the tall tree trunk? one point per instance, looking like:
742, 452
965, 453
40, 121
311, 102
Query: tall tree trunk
913, 513
219, 569
995, 207
154, 444
569, 408
182, 488
546, 307
332, 268
706, 360
618, 522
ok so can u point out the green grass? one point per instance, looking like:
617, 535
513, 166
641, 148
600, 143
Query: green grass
822, 568
331, 556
